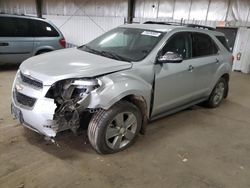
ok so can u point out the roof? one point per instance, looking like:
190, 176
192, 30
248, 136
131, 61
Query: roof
20, 16
167, 28
153, 27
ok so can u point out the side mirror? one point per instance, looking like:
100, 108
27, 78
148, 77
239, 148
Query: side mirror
170, 57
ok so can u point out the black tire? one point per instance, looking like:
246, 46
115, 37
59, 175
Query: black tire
43, 52
104, 121
212, 102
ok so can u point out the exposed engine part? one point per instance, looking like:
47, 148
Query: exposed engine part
67, 115
93, 110
72, 98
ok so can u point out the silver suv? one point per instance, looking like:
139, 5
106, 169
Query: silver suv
22, 37
121, 80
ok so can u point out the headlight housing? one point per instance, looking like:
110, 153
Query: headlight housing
83, 86
73, 88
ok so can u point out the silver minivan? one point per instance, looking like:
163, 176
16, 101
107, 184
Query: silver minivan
22, 37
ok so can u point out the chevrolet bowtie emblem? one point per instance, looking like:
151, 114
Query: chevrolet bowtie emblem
19, 87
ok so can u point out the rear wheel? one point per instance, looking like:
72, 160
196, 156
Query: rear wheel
218, 93
115, 129
43, 52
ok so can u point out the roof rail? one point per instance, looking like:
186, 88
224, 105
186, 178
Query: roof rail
181, 24
200, 26
163, 23
15, 14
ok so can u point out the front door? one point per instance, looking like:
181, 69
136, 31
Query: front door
174, 81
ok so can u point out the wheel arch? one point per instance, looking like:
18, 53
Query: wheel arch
224, 71
40, 49
123, 87
43, 50
141, 104
226, 76
136, 99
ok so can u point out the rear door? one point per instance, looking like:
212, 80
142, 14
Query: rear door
45, 36
16, 41
205, 62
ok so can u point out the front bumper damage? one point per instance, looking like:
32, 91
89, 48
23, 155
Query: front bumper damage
39, 119
42, 114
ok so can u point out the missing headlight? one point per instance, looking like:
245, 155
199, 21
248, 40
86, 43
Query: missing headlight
85, 85
72, 88
79, 91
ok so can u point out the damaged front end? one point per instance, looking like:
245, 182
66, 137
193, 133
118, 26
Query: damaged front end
51, 109
72, 98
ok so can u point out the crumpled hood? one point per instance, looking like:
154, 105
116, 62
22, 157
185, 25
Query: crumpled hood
69, 63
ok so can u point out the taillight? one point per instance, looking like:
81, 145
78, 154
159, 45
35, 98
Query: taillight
62, 42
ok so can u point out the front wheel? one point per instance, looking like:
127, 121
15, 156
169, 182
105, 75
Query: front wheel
115, 129
218, 93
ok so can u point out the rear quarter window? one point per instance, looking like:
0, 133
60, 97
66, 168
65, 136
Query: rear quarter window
43, 29
223, 41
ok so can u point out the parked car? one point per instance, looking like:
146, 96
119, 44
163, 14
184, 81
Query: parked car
22, 37
123, 79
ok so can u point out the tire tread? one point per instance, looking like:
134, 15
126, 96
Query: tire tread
98, 121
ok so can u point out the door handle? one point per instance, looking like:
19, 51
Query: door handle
190, 68
4, 44
216, 61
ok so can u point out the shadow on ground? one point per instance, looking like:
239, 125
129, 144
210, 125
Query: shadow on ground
66, 146
70, 146
9, 67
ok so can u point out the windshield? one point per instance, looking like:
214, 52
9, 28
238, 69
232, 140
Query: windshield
125, 44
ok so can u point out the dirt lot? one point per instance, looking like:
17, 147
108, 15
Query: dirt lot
195, 148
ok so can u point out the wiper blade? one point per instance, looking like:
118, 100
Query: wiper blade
105, 53
92, 50
114, 56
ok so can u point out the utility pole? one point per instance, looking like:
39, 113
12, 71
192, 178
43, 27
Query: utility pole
39, 4
131, 10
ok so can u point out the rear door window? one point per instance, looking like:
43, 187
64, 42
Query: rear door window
223, 41
203, 45
14, 27
44, 29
